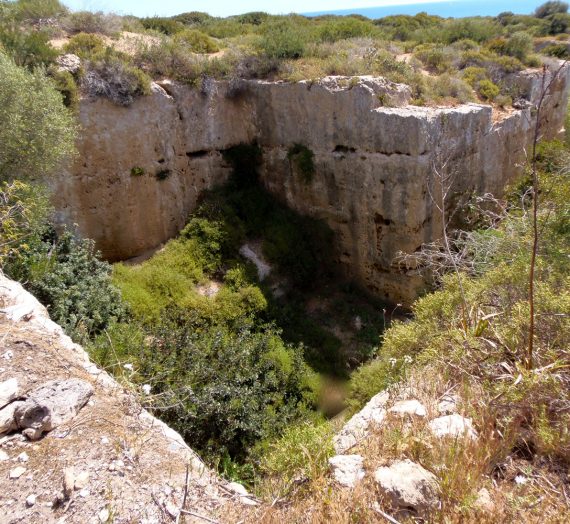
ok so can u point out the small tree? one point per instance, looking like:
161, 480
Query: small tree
550, 8
37, 132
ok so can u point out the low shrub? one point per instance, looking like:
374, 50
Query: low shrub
282, 39
303, 159
343, 28
167, 26
557, 50
29, 49
89, 22
196, 41
85, 45
435, 58
137, 171
487, 90
113, 78
65, 83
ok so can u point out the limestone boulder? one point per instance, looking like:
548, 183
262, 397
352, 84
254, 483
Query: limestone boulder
69, 62
51, 405
7, 418
358, 427
9, 390
347, 470
408, 487
409, 407
453, 426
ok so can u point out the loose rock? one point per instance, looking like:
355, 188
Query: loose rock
7, 417
9, 390
409, 407
30, 500
348, 470
51, 405
16, 473
409, 487
454, 426
484, 501
448, 405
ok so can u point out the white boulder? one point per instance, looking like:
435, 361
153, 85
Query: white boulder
348, 470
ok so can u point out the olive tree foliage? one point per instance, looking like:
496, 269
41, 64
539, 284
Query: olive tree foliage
37, 132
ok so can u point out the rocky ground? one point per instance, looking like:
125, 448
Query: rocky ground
75, 446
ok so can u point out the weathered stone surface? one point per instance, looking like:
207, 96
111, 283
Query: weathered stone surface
358, 427
347, 470
8, 391
7, 417
51, 405
448, 404
68, 62
484, 502
373, 163
409, 407
453, 426
408, 487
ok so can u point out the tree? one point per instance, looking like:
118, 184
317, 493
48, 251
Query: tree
37, 132
550, 8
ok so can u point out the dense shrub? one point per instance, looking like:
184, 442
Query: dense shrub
196, 41
557, 50
85, 45
29, 49
88, 22
222, 390
283, 38
550, 8
343, 28
435, 58
66, 275
32, 120
488, 90
65, 83
193, 18
168, 26
115, 79
34, 11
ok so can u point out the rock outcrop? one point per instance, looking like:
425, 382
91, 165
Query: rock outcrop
95, 452
140, 169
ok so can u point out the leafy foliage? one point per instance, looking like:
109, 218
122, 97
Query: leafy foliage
32, 119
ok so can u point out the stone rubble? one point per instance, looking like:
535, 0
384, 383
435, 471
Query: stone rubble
453, 426
348, 470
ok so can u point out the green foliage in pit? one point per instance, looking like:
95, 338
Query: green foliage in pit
137, 171
494, 292
63, 272
222, 389
37, 132
303, 159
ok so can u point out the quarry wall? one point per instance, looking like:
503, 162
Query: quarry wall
375, 157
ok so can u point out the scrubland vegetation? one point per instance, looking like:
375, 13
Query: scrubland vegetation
243, 373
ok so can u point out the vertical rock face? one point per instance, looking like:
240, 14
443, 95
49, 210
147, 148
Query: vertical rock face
375, 158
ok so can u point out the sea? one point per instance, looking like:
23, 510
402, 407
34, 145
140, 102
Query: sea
453, 8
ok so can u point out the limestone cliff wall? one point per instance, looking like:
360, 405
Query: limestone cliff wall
375, 159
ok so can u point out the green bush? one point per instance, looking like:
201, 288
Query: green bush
344, 27
137, 171
37, 132
283, 38
66, 275
559, 23
29, 49
196, 41
557, 50
304, 161
488, 90
550, 8
88, 22
85, 45
168, 26
222, 390
113, 78
33, 11
193, 18
435, 58
66, 85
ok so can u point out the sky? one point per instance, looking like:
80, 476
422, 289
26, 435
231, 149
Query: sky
226, 7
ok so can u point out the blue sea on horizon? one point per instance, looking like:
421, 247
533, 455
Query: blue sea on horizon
456, 8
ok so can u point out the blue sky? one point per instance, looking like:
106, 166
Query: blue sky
226, 7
